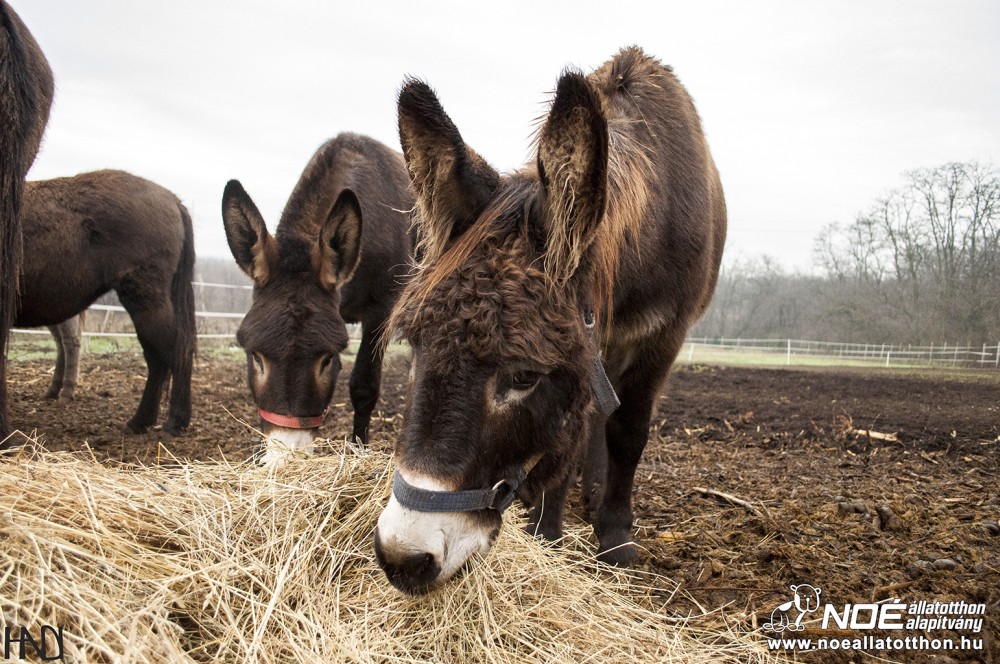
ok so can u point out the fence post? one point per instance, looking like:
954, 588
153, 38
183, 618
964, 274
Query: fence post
104, 323
996, 360
691, 352
887, 356
788, 353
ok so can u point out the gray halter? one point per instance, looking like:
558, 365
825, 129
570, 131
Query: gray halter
498, 498
502, 494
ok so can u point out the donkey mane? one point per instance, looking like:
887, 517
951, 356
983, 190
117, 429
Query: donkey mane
495, 233
630, 76
630, 174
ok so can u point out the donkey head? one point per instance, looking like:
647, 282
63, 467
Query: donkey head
502, 358
293, 333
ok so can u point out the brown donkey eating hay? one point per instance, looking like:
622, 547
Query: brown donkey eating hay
110, 230
341, 253
538, 292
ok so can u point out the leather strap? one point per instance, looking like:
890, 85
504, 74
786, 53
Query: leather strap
604, 392
498, 498
290, 421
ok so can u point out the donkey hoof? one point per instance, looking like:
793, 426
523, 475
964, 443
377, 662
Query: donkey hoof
134, 427
174, 428
620, 555
549, 533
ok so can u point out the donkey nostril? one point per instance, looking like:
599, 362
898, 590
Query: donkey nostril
413, 574
416, 567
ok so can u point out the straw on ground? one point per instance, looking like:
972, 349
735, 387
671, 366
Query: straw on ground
220, 562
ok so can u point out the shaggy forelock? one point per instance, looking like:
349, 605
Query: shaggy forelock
494, 305
294, 321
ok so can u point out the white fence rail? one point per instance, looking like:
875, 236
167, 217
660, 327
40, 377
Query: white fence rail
801, 351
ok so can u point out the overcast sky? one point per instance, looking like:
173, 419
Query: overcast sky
812, 109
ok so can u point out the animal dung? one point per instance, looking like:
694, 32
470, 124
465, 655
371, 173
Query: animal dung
226, 562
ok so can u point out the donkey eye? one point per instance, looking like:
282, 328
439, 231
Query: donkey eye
326, 362
524, 380
258, 363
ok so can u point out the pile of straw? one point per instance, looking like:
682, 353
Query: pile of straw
217, 562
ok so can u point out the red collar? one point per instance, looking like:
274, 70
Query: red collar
292, 422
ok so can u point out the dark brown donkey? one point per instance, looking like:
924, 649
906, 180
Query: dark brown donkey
25, 97
621, 218
342, 252
109, 230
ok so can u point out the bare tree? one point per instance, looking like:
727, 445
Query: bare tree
925, 258
757, 298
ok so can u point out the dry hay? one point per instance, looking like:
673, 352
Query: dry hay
222, 562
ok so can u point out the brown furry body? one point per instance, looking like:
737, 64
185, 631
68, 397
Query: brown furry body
26, 89
622, 214
116, 232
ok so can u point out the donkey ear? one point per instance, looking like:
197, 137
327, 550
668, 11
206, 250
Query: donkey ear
453, 184
572, 167
340, 241
253, 247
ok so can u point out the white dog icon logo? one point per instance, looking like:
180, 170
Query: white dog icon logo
806, 600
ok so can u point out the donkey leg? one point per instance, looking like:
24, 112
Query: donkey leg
155, 329
179, 413
157, 373
181, 367
595, 468
627, 432
57, 375
366, 378
545, 519
71, 332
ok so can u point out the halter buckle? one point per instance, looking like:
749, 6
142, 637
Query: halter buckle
503, 497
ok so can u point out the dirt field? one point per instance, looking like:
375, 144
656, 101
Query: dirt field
863, 517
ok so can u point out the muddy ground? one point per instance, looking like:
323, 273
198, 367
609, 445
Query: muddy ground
863, 516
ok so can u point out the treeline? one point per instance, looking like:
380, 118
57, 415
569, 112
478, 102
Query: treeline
920, 266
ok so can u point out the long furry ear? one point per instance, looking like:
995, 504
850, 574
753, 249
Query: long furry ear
253, 247
453, 184
339, 242
572, 167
